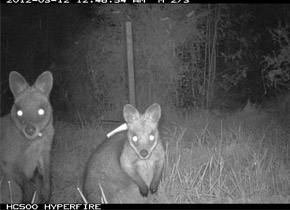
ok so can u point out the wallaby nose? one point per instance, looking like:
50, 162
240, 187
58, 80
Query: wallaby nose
144, 153
30, 130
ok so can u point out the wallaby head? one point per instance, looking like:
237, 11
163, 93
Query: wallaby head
142, 132
31, 111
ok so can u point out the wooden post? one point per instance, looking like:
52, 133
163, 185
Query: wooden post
130, 63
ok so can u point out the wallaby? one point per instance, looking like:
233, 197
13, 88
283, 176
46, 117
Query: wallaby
26, 139
127, 167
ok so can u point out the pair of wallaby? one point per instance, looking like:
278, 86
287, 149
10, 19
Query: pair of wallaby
125, 168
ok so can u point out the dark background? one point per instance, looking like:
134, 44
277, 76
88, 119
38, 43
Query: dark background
67, 40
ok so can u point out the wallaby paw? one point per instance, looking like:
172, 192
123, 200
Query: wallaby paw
153, 190
144, 191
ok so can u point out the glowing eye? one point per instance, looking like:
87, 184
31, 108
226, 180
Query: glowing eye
19, 113
40, 111
135, 138
151, 137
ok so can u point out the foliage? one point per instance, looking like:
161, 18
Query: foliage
190, 63
218, 55
96, 63
236, 44
95, 68
277, 65
184, 57
159, 32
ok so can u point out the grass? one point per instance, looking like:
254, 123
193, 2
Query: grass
210, 158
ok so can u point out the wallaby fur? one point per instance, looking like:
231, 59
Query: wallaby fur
25, 144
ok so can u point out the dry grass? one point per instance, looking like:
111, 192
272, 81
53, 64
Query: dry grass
72, 149
241, 158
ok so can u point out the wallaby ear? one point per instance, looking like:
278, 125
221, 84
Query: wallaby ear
44, 82
17, 83
130, 113
153, 112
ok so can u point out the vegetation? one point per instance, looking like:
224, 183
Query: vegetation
198, 56
219, 71
243, 158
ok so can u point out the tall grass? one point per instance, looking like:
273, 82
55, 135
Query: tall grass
240, 158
